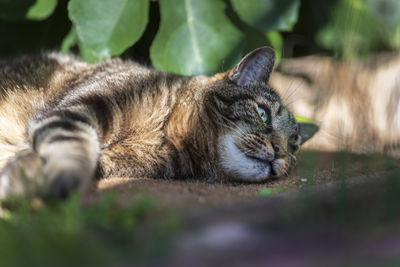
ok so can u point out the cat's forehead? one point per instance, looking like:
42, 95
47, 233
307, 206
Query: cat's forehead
265, 95
258, 92
264, 92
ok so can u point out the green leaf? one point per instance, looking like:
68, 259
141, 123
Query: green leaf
107, 27
276, 41
69, 41
14, 9
268, 15
304, 119
42, 9
269, 191
5, 214
353, 31
91, 54
195, 37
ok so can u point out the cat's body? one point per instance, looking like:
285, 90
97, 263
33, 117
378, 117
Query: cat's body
64, 121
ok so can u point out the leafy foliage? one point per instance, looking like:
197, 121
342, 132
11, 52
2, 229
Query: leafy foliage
42, 9
191, 37
72, 234
264, 192
106, 28
194, 36
358, 27
267, 15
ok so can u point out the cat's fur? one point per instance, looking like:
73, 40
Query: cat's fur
64, 122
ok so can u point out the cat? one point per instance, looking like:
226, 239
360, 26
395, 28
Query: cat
65, 122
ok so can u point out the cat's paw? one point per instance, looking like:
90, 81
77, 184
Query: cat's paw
64, 184
23, 175
28, 174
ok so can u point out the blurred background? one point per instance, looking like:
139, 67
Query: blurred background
196, 30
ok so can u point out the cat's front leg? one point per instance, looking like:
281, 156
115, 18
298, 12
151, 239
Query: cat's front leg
63, 157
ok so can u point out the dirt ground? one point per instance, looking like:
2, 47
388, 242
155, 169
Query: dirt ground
315, 167
336, 208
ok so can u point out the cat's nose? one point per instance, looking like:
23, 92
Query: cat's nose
278, 149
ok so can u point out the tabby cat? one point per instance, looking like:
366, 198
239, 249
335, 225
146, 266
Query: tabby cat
65, 122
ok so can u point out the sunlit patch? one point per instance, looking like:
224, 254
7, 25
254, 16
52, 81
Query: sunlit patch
4, 185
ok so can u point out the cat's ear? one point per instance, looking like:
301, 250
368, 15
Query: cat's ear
254, 67
307, 130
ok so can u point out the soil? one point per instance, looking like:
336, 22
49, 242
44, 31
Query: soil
314, 167
336, 208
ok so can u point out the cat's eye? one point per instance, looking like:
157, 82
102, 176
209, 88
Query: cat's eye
263, 114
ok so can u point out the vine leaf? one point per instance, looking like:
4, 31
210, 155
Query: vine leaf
107, 27
276, 41
42, 9
268, 15
195, 37
69, 41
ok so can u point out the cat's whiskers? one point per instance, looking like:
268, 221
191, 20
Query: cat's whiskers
290, 91
246, 152
240, 133
236, 126
294, 99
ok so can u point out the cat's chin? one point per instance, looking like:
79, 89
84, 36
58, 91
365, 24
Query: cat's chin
238, 166
266, 162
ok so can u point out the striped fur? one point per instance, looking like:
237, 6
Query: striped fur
64, 122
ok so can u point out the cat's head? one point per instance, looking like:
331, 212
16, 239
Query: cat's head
258, 136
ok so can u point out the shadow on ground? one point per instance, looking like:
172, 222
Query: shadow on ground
336, 208
314, 167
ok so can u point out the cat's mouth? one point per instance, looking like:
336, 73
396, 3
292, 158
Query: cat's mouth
265, 162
